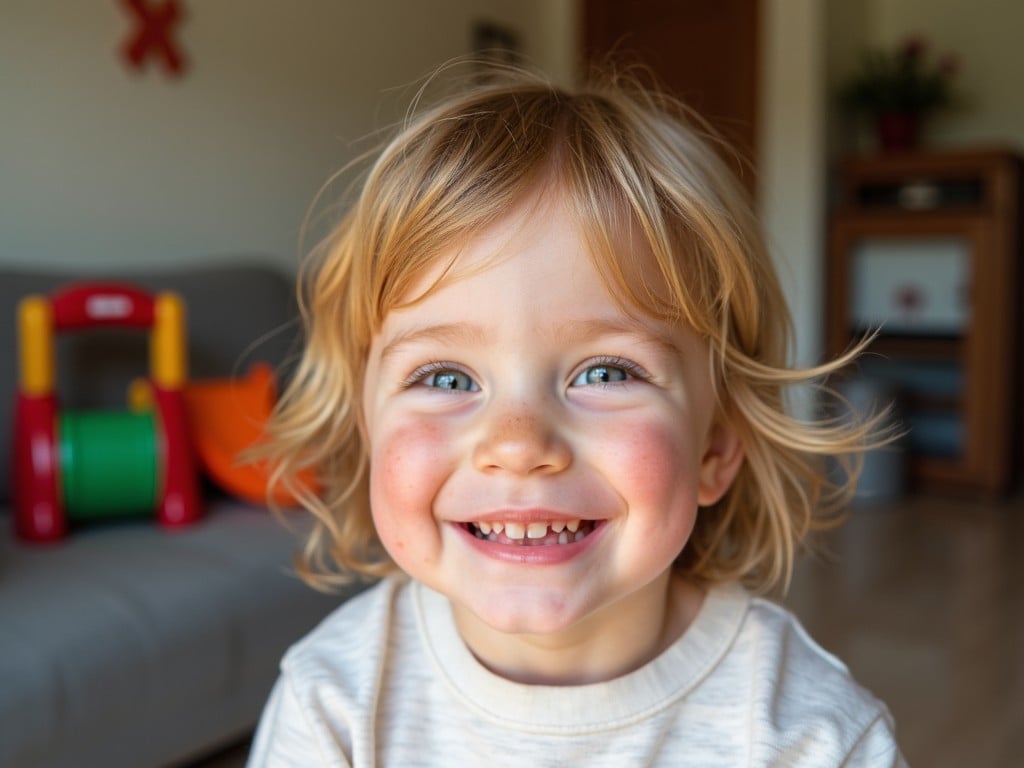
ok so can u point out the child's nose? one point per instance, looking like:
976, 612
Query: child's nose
522, 442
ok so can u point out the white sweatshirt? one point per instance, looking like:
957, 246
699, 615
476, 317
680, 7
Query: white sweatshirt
387, 681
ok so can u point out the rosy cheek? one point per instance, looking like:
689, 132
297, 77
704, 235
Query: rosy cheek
406, 472
656, 470
651, 455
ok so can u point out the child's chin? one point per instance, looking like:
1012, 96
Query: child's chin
528, 625
528, 614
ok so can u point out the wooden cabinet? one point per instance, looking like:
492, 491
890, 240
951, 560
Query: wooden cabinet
676, 40
924, 249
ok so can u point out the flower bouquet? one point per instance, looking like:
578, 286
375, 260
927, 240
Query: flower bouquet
899, 88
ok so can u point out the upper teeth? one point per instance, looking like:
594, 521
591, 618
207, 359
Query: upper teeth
538, 530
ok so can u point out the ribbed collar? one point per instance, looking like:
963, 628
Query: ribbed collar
583, 708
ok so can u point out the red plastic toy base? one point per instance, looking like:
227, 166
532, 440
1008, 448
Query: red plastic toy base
38, 513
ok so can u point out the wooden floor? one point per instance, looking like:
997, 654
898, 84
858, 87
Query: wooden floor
924, 601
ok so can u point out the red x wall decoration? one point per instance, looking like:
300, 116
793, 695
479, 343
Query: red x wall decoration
153, 35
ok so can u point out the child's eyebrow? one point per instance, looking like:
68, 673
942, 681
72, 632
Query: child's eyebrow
644, 332
466, 334
449, 333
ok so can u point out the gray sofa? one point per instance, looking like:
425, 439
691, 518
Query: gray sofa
127, 644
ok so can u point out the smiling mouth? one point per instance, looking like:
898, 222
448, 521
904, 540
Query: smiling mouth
539, 534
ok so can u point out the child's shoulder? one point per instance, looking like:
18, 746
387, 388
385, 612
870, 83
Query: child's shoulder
779, 639
362, 605
797, 689
351, 638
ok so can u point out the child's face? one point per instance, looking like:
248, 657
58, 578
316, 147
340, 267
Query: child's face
522, 400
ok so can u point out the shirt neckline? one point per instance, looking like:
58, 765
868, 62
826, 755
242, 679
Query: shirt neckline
580, 708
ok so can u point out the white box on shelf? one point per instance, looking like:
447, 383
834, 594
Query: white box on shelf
911, 285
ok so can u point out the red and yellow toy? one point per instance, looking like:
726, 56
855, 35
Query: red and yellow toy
86, 465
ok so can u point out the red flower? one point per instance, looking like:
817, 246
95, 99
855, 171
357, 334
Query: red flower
914, 47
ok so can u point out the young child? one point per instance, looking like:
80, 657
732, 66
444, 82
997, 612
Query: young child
543, 386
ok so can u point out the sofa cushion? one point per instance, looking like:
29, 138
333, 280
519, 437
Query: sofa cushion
127, 644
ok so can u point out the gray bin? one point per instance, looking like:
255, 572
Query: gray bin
883, 476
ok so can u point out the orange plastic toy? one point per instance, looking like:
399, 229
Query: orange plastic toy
227, 416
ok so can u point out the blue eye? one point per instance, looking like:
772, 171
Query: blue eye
600, 374
455, 381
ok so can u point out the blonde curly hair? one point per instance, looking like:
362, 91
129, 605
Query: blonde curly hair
631, 161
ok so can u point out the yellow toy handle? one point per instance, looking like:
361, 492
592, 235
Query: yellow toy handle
35, 327
36, 358
167, 345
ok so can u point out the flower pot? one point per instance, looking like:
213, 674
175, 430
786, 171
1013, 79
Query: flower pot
898, 131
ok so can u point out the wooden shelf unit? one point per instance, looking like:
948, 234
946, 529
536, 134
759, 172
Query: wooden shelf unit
972, 198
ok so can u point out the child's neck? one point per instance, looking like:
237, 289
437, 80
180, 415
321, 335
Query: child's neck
608, 644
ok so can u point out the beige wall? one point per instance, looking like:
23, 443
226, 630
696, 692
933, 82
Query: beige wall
103, 168
792, 171
847, 33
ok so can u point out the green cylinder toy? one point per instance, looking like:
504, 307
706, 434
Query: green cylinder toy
108, 463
